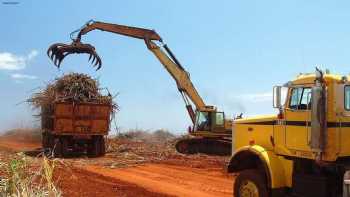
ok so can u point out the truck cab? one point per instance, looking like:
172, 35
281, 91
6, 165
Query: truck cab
303, 149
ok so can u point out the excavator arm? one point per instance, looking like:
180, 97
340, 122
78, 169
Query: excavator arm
135, 32
162, 52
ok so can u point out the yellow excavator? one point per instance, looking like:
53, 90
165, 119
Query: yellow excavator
211, 132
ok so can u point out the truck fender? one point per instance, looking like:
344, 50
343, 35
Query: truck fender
249, 157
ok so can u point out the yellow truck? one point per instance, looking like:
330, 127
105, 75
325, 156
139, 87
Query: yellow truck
304, 150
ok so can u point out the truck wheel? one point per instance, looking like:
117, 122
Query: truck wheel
94, 147
64, 142
102, 146
57, 149
250, 183
44, 141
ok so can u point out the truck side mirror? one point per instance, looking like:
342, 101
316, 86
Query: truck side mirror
277, 97
318, 118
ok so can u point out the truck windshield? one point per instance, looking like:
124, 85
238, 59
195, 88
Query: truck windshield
300, 98
202, 121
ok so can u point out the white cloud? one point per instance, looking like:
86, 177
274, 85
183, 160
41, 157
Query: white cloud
32, 55
9, 61
23, 76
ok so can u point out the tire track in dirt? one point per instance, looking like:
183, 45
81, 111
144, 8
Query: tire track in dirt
172, 180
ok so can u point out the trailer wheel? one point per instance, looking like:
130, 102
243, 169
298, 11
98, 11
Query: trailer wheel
64, 142
250, 183
57, 148
102, 146
94, 147
44, 141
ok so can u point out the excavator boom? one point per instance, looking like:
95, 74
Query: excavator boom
134, 32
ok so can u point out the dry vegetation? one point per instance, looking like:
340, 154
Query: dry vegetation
21, 177
139, 146
71, 87
157, 136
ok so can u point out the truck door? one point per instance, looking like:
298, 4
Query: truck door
298, 118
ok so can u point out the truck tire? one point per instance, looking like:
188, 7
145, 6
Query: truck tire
65, 151
94, 147
57, 148
251, 183
102, 146
44, 141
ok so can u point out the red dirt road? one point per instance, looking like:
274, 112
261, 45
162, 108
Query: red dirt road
14, 145
91, 177
172, 180
76, 182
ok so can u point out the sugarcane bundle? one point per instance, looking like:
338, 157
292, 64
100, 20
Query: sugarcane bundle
71, 87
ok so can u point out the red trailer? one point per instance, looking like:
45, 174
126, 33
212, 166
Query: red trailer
76, 127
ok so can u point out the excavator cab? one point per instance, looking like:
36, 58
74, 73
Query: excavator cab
209, 121
202, 122
210, 131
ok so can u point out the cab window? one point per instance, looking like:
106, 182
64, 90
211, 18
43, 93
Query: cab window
202, 121
300, 98
347, 97
219, 119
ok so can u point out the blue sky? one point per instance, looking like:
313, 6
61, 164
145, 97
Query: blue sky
235, 51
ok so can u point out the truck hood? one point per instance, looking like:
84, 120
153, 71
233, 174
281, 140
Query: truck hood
257, 119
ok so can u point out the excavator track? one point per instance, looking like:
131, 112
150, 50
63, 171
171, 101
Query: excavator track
203, 145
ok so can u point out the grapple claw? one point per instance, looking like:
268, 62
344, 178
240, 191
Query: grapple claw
98, 63
98, 68
57, 52
90, 57
93, 59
